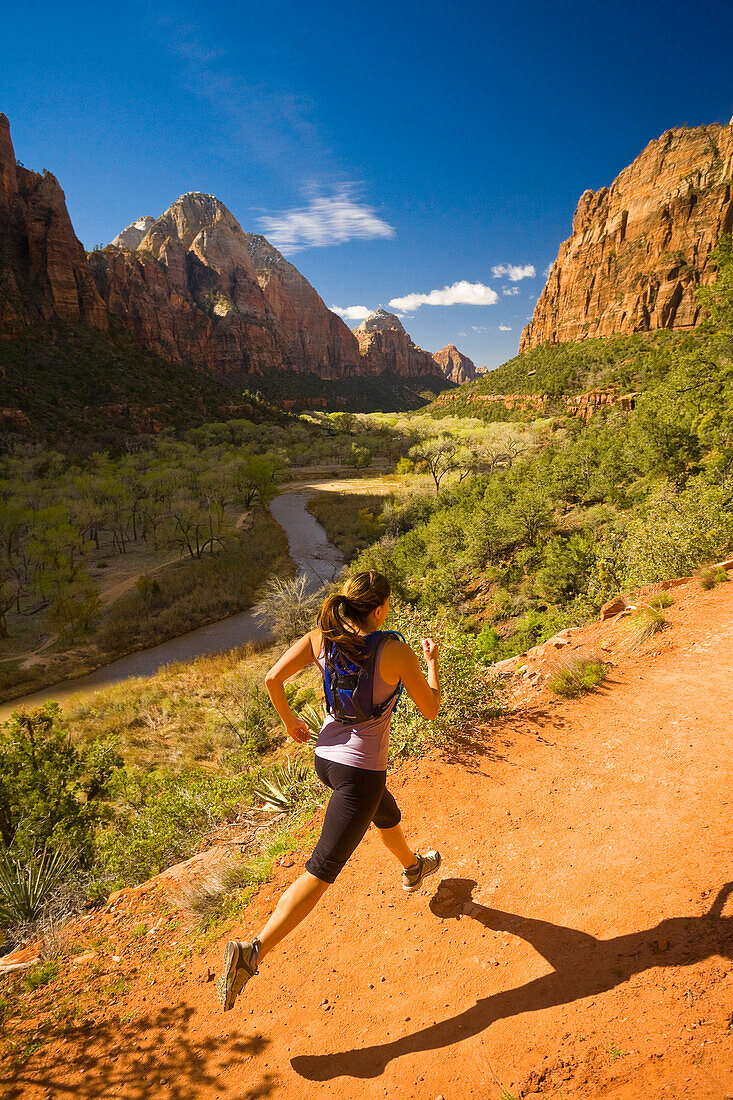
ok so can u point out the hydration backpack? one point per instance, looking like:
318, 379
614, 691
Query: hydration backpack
349, 687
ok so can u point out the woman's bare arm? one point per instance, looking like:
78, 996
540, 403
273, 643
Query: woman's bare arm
399, 662
300, 654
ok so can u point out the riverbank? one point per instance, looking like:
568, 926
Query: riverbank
309, 551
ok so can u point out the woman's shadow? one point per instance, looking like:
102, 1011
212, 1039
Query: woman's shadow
583, 967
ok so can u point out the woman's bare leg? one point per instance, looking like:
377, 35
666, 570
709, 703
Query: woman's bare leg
394, 840
293, 907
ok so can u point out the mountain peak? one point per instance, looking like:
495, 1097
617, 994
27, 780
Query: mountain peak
187, 217
380, 320
131, 236
454, 364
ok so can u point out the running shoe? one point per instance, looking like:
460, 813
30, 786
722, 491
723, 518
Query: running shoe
426, 865
240, 964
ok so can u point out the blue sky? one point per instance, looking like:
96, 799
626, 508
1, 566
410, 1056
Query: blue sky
391, 150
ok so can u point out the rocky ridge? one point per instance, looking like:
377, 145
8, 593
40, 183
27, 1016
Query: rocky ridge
640, 247
581, 405
454, 365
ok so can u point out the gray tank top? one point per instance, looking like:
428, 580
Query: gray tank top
365, 745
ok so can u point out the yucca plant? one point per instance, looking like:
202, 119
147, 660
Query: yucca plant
313, 718
26, 885
285, 784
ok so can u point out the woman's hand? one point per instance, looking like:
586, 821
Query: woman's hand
430, 650
298, 730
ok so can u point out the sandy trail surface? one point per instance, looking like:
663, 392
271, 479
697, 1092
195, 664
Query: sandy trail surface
576, 943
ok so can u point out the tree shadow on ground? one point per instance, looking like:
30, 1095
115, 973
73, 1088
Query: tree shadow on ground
583, 967
154, 1056
472, 748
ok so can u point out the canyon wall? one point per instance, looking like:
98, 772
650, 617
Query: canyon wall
640, 247
43, 267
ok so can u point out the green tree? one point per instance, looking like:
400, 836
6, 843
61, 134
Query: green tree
51, 793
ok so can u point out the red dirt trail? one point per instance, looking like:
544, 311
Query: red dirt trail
593, 839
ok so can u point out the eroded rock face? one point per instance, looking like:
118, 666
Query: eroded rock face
384, 345
314, 338
189, 290
454, 364
195, 286
43, 267
641, 246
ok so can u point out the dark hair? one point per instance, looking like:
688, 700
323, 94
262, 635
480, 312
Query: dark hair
343, 612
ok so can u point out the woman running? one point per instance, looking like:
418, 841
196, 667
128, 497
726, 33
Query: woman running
363, 668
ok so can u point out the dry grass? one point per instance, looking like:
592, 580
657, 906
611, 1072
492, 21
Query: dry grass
200, 896
712, 576
574, 675
643, 623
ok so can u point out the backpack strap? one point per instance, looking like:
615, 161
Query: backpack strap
380, 708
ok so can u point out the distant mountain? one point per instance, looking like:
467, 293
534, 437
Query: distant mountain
384, 345
197, 291
454, 365
641, 246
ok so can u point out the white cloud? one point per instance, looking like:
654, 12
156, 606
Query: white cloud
351, 313
547, 270
514, 272
459, 294
479, 328
510, 291
324, 220
505, 328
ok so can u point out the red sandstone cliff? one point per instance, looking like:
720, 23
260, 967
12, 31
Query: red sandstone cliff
313, 338
384, 345
190, 292
43, 267
454, 364
194, 285
640, 247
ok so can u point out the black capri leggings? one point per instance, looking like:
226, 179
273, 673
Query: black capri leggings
359, 797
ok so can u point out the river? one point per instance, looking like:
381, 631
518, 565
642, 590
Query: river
313, 555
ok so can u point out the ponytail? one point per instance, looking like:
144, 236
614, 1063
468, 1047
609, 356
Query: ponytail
342, 613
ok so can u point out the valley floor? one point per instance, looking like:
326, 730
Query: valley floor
577, 943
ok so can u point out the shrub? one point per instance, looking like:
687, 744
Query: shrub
712, 576
202, 895
52, 795
675, 531
359, 457
41, 974
289, 608
470, 695
661, 600
575, 675
161, 818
